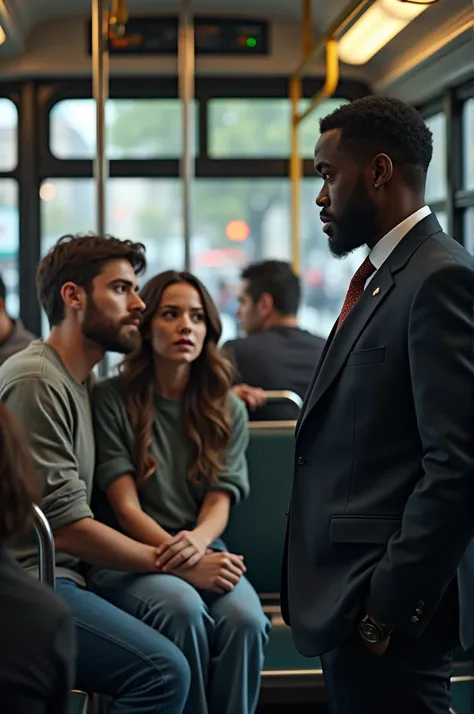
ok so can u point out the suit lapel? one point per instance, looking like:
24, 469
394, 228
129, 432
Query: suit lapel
350, 330
338, 348
309, 391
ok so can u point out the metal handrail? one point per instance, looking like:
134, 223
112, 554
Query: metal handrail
278, 395
46, 549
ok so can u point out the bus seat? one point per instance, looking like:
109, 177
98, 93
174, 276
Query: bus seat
256, 527
256, 530
78, 703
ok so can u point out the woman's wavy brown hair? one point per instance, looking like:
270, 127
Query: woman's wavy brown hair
19, 484
208, 421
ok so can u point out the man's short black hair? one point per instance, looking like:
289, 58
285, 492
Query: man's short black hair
373, 125
3, 290
276, 278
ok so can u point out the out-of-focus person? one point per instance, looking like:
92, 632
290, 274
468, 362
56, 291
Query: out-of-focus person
276, 354
37, 644
13, 335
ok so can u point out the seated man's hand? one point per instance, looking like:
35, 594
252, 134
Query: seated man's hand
254, 397
184, 550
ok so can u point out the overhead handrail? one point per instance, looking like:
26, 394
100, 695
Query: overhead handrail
46, 549
118, 17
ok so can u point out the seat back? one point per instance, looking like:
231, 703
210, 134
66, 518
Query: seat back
256, 527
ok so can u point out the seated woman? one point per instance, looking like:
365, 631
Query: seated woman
37, 643
171, 441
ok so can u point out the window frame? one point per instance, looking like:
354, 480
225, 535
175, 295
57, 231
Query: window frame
206, 89
459, 199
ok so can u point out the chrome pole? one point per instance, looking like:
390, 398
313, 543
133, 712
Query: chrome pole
100, 81
46, 550
186, 93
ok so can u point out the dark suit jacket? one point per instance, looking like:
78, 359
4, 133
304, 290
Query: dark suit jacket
274, 359
382, 506
37, 646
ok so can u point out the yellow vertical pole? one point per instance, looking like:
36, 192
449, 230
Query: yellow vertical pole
295, 173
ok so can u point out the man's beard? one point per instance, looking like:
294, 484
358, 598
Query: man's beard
106, 333
356, 225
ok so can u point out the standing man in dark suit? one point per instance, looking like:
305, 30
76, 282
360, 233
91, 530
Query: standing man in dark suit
382, 507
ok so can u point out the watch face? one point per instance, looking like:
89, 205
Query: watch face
369, 632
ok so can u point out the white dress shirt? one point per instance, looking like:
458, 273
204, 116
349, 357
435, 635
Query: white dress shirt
381, 250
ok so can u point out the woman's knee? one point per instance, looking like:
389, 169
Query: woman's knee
238, 619
175, 605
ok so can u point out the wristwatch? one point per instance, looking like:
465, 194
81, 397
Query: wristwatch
373, 632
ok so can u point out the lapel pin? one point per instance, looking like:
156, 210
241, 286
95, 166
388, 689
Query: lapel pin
376, 291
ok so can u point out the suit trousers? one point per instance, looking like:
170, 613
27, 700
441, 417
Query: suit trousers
412, 677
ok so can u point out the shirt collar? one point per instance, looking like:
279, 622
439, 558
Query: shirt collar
390, 240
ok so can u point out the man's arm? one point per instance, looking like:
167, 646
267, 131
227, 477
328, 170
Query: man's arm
44, 413
438, 521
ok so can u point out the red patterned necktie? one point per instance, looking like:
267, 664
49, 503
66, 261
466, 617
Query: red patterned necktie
356, 288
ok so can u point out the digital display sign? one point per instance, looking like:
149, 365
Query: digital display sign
159, 36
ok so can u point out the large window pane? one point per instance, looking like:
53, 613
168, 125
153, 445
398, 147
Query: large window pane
325, 278
468, 128
135, 128
262, 208
146, 210
436, 186
9, 243
246, 128
235, 221
8, 135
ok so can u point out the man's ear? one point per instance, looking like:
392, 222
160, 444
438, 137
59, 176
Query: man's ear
73, 296
382, 170
266, 304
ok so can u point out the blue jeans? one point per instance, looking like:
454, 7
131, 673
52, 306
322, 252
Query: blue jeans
119, 656
222, 637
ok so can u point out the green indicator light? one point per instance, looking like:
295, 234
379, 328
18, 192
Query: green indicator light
251, 42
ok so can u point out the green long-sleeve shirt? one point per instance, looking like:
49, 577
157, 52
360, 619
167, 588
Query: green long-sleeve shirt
168, 496
55, 411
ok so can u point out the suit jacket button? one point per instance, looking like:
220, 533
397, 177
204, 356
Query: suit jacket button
301, 461
419, 612
421, 604
415, 620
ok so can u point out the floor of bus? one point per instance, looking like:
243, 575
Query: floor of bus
292, 708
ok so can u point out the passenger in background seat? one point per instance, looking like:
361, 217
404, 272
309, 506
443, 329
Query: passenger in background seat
37, 644
13, 336
171, 441
276, 354
87, 286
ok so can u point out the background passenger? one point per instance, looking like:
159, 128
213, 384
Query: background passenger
37, 644
171, 441
13, 336
87, 286
276, 354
